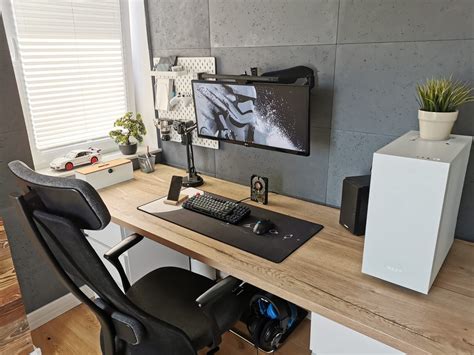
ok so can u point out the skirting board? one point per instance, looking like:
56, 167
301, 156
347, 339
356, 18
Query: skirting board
55, 308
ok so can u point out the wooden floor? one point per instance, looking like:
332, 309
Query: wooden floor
77, 332
74, 332
15, 335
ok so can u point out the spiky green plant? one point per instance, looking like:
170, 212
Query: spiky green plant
443, 95
129, 126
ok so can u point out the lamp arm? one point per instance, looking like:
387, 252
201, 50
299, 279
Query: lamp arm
191, 128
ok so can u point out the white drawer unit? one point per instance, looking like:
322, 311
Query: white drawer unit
139, 260
102, 241
331, 338
109, 236
105, 174
149, 255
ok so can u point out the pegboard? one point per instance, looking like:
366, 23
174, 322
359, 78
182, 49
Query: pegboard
182, 83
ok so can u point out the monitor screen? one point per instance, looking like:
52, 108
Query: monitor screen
264, 115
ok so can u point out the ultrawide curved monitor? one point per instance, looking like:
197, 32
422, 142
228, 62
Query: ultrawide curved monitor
263, 115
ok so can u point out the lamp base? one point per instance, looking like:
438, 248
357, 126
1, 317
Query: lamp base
192, 181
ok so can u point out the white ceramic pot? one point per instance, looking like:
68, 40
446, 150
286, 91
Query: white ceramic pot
436, 126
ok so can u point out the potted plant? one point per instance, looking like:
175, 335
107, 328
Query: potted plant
128, 127
439, 100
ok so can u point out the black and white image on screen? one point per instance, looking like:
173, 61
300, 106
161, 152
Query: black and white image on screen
268, 115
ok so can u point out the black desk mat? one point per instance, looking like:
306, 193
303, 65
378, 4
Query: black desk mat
288, 235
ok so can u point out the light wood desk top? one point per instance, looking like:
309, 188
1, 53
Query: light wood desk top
324, 275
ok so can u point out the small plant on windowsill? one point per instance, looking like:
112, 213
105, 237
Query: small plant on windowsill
439, 100
128, 127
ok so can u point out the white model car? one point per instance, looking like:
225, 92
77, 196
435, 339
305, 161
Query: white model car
75, 158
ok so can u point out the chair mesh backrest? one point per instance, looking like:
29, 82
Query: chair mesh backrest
76, 256
56, 211
60, 208
72, 198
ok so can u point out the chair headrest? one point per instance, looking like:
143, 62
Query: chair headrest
74, 199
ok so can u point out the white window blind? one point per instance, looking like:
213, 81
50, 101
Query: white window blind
72, 61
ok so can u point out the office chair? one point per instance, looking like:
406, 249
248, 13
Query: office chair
169, 311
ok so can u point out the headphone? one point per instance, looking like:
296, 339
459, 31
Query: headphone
270, 319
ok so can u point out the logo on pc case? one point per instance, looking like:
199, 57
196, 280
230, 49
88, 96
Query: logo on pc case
394, 268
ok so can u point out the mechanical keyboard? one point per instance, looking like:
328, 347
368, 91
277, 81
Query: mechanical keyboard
227, 211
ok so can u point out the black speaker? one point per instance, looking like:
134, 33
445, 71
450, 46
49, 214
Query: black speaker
355, 200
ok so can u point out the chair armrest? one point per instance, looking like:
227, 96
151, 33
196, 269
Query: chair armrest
114, 253
225, 286
123, 246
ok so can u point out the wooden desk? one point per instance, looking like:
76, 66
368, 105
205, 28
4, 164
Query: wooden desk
323, 275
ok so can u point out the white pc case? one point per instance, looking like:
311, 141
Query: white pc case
414, 198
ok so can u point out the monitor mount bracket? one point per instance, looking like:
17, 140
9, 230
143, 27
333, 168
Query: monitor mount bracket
296, 75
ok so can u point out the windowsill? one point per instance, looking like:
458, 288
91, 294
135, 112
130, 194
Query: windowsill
105, 158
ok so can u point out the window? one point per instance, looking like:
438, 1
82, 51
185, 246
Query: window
71, 67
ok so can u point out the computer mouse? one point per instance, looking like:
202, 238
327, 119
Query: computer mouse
263, 226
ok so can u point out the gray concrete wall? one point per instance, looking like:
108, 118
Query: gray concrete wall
368, 54
38, 285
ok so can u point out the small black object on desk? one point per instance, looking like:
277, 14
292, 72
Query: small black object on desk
263, 226
259, 189
174, 194
185, 129
354, 203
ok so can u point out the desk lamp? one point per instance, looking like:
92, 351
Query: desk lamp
185, 128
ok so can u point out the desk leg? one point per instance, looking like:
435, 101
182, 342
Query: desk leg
203, 269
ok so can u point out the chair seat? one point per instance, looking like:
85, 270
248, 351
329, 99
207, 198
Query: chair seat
169, 294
